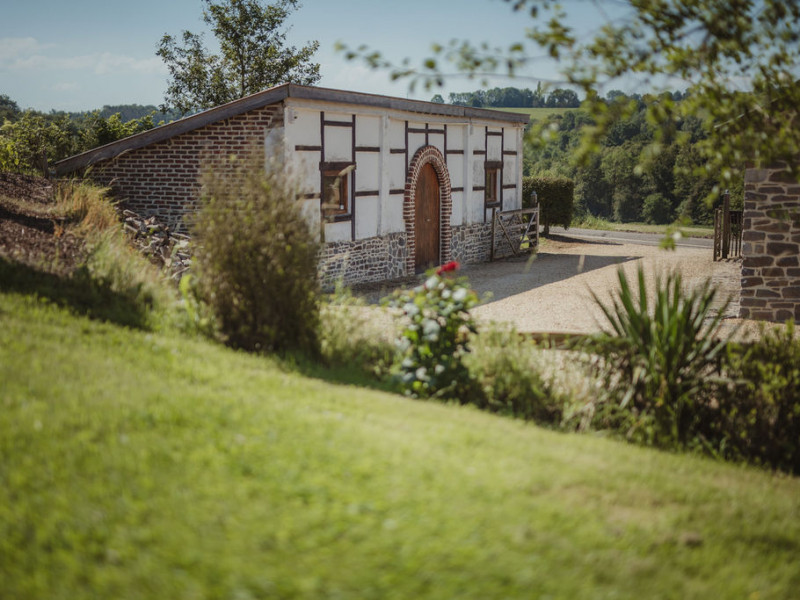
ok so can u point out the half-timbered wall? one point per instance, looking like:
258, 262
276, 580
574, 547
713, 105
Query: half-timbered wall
383, 144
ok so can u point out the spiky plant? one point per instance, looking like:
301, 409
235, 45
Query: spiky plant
654, 359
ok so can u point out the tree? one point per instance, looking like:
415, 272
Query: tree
9, 110
737, 57
252, 55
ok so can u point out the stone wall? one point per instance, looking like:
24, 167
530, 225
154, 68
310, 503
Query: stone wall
364, 261
163, 178
472, 243
771, 245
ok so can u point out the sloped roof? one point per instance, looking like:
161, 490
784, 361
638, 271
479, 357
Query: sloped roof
273, 96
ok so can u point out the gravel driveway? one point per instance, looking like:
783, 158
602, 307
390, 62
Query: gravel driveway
552, 292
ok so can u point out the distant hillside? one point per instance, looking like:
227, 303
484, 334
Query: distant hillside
536, 113
128, 112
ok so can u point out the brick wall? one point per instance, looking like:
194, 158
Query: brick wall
771, 245
163, 178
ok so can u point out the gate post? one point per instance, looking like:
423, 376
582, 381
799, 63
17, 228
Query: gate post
726, 223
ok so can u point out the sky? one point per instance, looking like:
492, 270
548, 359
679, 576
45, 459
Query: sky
84, 54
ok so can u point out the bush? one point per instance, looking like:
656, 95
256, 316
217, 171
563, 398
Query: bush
435, 338
352, 335
256, 257
504, 366
655, 363
758, 416
657, 210
556, 197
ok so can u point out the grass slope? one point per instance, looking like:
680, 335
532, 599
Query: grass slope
136, 465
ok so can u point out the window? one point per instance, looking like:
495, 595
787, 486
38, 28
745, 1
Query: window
493, 178
336, 189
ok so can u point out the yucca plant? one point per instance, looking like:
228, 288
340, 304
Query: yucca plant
655, 359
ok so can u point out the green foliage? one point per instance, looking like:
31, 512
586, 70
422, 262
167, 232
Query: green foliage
98, 131
256, 257
757, 416
30, 143
504, 366
511, 97
9, 110
253, 55
352, 335
655, 360
657, 210
555, 196
435, 338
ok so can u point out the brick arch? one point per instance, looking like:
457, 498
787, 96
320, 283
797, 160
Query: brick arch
423, 156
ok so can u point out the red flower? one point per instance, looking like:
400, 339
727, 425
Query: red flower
451, 266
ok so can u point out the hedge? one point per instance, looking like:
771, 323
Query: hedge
556, 198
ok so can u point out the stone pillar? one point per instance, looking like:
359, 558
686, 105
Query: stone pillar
771, 245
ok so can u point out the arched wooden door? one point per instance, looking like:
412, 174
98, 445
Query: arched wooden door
426, 197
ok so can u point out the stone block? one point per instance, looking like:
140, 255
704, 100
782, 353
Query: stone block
755, 175
753, 236
772, 272
750, 262
791, 292
765, 293
752, 281
787, 261
780, 249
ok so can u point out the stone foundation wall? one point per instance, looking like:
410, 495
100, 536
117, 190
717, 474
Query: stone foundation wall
364, 261
472, 243
771, 245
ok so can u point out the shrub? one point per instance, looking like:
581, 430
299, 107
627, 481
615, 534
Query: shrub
435, 338
556, 197
758, 416
657, 210
505, 367
655, 362
256, 257
352, 335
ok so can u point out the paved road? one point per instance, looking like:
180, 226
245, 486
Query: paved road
628, 237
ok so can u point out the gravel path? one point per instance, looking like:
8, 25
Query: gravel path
553, 291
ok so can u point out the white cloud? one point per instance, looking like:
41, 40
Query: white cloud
28, 54
66, 86
12, 48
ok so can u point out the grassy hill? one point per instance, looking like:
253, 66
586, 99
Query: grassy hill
145, 465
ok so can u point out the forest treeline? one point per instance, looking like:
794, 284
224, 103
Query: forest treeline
626, 177
511, 97
32, 140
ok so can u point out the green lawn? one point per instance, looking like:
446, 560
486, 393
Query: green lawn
141, 465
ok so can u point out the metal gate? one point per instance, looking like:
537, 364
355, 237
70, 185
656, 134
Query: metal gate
727, 230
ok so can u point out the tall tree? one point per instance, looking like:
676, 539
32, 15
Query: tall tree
253, 55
